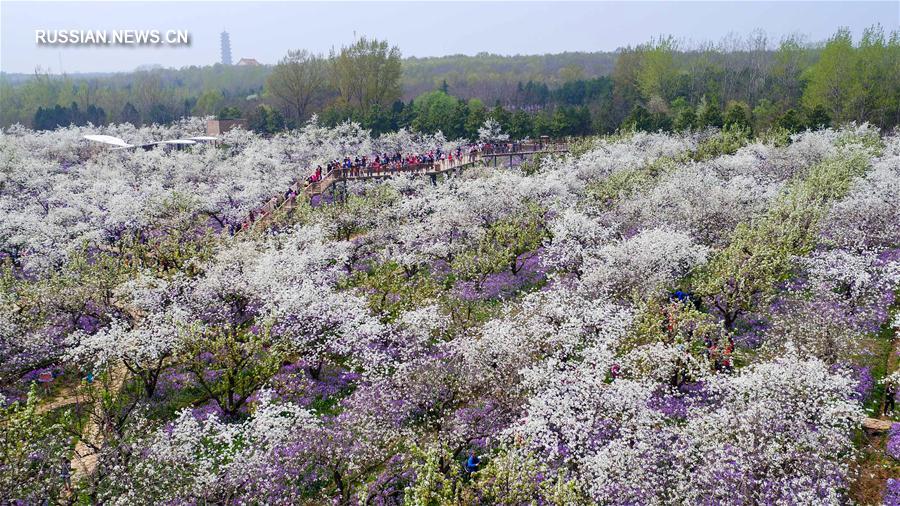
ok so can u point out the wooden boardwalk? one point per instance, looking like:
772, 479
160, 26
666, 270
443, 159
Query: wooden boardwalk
516, 151
522, 154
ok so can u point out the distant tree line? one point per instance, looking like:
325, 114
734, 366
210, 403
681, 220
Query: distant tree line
48, 119
142, 97
654, 86
491, 77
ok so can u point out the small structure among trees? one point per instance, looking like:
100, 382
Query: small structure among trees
220, 126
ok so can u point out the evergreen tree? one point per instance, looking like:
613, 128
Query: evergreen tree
737, 115
709, 113
130, 114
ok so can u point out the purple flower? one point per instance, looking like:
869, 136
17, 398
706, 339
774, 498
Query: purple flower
892, 492
864, 380
173, 381
673, 406
864, 383
893, 444
504, 285
88, 324
210, 408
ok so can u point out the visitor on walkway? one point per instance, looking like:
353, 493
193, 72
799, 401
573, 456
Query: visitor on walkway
65, 473
890, 395
727, 364
45, 378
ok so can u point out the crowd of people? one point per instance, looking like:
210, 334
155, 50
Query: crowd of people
718, 354
387, 163
384, 163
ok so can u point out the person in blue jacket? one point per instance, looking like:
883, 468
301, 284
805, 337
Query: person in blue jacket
472, 462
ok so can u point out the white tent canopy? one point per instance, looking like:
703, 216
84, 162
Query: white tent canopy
108, 139
120, 144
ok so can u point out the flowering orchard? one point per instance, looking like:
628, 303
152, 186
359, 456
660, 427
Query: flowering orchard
650, 319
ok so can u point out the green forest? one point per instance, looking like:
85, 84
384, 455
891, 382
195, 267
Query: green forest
749, 82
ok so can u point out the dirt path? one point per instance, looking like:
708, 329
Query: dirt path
873, 466
84, 461
66, 397
882, 423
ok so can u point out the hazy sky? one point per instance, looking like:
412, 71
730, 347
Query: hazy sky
266, 30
